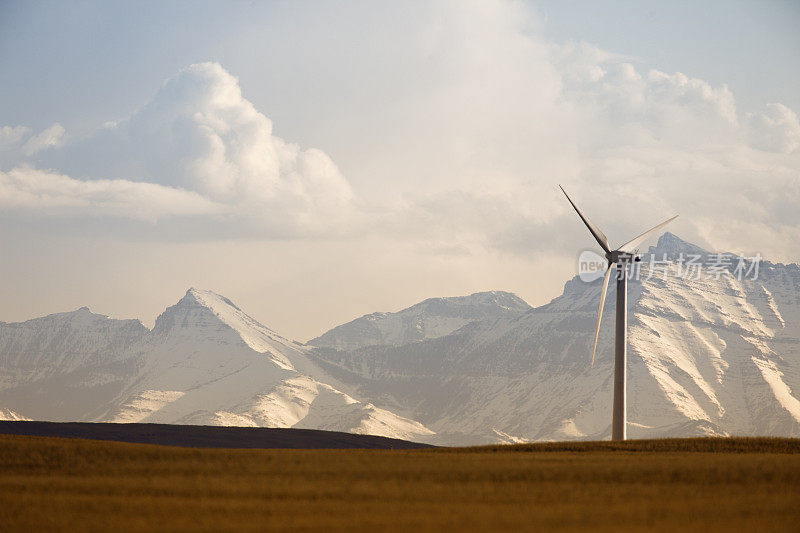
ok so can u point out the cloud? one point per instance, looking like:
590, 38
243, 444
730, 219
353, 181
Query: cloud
25, 189
621, 105
198, 147
633, 148
200, 134
454, 128
50, 138
11, 136
776, 130
695, 95
661, 143
18, 142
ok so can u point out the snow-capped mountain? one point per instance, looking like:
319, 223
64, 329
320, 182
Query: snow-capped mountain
205, 362
706, 357
65, 366
430, 319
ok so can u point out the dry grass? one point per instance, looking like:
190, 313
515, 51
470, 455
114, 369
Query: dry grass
711, 444
58, 484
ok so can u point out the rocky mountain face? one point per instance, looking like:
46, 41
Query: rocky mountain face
708, 356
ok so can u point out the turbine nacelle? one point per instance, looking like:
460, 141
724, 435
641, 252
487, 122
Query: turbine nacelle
620, 257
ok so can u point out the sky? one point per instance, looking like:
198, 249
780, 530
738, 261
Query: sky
317, 161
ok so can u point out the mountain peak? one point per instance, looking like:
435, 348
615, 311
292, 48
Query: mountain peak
202, 312
201, 305
672, 245
504, 299
212, 300
448, 305
428, 319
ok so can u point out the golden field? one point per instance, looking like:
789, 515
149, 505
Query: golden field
696, 484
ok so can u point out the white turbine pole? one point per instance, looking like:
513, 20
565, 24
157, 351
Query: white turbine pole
619, 421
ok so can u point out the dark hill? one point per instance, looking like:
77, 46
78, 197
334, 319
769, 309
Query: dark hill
208, 436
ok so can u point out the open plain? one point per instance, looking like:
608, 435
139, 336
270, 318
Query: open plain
697, 484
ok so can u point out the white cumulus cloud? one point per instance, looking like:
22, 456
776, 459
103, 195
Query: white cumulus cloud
455, 129
775, 130
198, 147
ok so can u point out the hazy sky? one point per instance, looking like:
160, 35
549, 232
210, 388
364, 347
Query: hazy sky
316, 161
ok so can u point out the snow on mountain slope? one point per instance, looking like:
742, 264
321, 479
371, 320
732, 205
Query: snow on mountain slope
430, 319
8, 415
671, 246
303, 402
258, 337
142, 405
706, 357
65, 365
205, 362
62, 343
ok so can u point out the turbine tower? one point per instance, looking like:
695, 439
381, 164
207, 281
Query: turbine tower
621, 257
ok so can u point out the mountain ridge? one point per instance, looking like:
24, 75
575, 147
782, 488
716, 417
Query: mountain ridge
204, 362
707, 356
428, 319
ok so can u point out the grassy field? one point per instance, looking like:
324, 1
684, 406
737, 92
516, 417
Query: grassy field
713, 485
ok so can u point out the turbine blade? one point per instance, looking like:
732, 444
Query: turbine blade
600, 311
596, 233
631, 245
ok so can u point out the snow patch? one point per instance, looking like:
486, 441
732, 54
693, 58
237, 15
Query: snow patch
289, 402
773, 307
226, 418
7, 415
304, 402
780, 389
377, 421
505, 438
145, 404
259, 337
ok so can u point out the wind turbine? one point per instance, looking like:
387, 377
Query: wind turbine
622, 257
